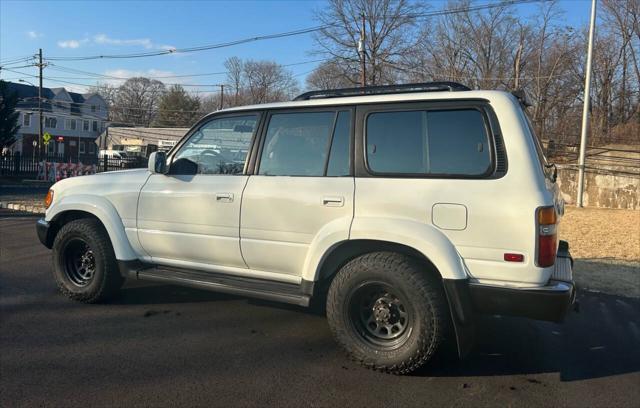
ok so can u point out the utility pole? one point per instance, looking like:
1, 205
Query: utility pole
221, 96
40, 66
585, 108
363, 53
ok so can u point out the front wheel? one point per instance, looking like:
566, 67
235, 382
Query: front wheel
387, 311
84, 264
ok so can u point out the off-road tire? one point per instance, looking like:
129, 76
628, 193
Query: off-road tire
420, 288
106, 279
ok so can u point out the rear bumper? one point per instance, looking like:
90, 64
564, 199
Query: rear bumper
550, 302
42, 228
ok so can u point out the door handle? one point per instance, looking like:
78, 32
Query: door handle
224, 197
333, 201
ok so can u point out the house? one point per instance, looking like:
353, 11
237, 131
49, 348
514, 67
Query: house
73, 120
140, 141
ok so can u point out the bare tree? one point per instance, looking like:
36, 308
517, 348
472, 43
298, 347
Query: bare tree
235, 73
210, 103
267, 81
330, 75
495, 48
107, 91
136, 101
389, 27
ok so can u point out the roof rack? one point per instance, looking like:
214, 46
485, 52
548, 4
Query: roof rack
383, 89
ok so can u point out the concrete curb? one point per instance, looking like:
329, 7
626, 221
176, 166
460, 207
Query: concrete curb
35, 209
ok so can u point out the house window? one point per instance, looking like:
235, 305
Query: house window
92, 147
51, 147
26, 119
50, 122
70, 124
95, 126
82, 147
85, 125
93, 108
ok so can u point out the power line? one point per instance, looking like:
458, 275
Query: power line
16, 61
116, 107
73, 70
498, 4
191, 49
275, 36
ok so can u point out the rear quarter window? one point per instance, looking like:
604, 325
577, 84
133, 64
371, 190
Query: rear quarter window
430, 142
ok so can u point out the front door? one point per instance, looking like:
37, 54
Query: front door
191, 215
303, 189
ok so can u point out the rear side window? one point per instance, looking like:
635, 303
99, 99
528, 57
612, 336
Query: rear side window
298, 144
433, 142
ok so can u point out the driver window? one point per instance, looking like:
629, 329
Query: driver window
219, 146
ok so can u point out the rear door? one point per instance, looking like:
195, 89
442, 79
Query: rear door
302, 188
443, 164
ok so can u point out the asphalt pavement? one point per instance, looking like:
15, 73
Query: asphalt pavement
158, 345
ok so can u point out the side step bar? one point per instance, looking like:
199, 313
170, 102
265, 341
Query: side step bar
236, 285
218, 282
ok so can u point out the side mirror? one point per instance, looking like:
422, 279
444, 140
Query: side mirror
158, 162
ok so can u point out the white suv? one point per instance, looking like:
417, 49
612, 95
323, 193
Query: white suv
406, 210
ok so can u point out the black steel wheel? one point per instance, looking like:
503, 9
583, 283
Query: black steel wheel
84, 263
79, 261
380, 315
388, 311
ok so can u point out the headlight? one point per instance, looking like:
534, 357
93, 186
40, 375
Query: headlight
48, 199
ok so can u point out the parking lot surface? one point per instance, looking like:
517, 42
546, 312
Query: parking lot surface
167, 346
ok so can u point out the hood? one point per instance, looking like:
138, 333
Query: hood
102, 184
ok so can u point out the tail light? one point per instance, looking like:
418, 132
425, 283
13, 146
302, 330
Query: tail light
547, 236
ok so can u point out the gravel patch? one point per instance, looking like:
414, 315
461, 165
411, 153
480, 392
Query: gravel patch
605, 244
599, 233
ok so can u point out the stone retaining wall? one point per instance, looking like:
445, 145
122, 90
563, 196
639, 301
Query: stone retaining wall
602, 189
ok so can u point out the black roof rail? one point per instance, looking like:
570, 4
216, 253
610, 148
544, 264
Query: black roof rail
383, 89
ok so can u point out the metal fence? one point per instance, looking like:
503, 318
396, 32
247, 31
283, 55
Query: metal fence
601, 160
16, 165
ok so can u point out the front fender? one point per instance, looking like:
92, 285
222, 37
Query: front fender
102, 209
424, 238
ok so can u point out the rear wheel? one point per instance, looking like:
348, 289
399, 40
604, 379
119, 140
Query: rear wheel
387, 312
84, 264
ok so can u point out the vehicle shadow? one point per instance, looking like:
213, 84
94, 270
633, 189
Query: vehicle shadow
600, 340
4, 213
145, 293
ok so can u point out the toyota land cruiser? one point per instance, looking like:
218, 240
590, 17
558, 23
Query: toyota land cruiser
406, 210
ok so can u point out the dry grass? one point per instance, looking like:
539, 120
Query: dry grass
602, 233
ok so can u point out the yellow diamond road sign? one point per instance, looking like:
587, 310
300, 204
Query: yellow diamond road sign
46, 137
